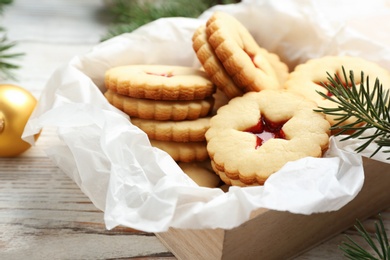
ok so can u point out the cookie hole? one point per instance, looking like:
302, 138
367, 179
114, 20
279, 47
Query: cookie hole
266, 130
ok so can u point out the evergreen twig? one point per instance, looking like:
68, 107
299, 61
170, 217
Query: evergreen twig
6, 66
370, 108
378, 245
3, 3
129, 15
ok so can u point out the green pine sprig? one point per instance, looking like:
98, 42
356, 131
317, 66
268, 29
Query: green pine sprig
7, 66
368, 105
376, 247
3, 3
130, 15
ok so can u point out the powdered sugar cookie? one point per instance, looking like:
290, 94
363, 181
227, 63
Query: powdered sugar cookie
159, 82
161, 109
255, 135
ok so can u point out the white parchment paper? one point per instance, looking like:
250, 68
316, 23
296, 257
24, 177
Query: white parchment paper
139, 186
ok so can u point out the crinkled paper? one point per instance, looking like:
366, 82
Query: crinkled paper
139, 186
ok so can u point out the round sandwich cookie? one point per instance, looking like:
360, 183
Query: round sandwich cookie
253, 136
159, 82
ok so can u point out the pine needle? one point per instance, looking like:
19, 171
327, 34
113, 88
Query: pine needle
376, 246
6, 56
130, 15
368, 106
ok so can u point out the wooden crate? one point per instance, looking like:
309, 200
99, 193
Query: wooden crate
273, 234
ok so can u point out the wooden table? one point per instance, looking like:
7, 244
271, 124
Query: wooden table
43, 214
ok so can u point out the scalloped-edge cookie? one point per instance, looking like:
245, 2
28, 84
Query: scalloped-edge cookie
159, 82
253, 136
183, 152
175, 131
307, 77
246, 63
212, 65
161, 109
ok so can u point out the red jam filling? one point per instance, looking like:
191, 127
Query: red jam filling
265, 130
168, 74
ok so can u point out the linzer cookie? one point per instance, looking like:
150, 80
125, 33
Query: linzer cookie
212, 65
175, 131
253, 136
307, 78
171, 104
251, 68
159, 82
183, 152
161, 109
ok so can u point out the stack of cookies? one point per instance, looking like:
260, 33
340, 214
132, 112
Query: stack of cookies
233, 60
171, 104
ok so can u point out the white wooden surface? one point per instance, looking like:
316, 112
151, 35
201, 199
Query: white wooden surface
43, 214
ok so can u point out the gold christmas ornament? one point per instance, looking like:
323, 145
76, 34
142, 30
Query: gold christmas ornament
16, 106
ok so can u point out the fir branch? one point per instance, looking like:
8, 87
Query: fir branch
370, 108
378, 246
3, 3
129, 15
6, 66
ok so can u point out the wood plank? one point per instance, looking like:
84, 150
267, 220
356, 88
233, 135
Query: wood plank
44, 214
283, 235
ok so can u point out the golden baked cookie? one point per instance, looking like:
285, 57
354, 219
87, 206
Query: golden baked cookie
175, 131
159, 82
246, 63
229, 181
161, 109
220, 99
201, 173
253, 136
183, 152
212, 65
281, 68
306, 78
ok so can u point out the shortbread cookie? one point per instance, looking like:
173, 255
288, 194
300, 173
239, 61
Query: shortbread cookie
220, 99
307, 78
201, 173
240, 55
281, 69
175, 131
161, 109
212, 65
253, 136
228, 181
183, 152
159, 82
